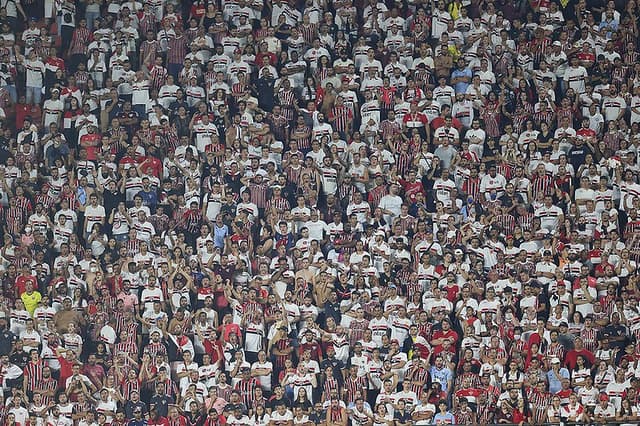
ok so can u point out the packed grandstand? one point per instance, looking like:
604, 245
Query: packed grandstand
334, 212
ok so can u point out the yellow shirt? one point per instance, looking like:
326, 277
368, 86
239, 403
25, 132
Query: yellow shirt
31, 301
454, 10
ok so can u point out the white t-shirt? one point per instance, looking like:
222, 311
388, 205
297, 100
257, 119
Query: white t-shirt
94, 215
265, 381
584, 194
52, 111
140, 94
35, 72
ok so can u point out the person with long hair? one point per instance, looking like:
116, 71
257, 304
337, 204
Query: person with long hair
260, 417
303, 402
628, 412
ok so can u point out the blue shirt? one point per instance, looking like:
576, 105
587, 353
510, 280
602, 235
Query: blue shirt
446, 418
149, 198
441, 376
555, 385
461, 87
219, 234
613, 26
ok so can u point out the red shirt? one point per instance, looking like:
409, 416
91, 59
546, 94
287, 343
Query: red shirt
228, 329
128, 160
154, 164
90, 142
470, 394
65, 371
21, 283
95, 373
572, 355
314, 347
586, 56
535, 338
54, 62
518, 416
411, 189
272, 58
439, 122
69, 91
214, 349
198, 11
595, 254
417, 117
452, 292
438, 350
586, 133
591, 282
601, 267
446, 334
160, 421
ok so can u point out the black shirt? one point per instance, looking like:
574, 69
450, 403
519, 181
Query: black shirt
404, 417
274, 402
161, 404
4, 153
230, 408
577, 154
7, 338
175, 105
304, 405
336, 365
264, 90
135, 422
117, 109
19, 358
111, 200
195, 419
611, 331
333, 310
318, 417
543, 300
131, 406
509, 201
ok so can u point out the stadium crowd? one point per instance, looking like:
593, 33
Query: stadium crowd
336, 212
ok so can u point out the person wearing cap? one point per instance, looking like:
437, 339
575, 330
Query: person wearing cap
556, 374
136, 415
604, 411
